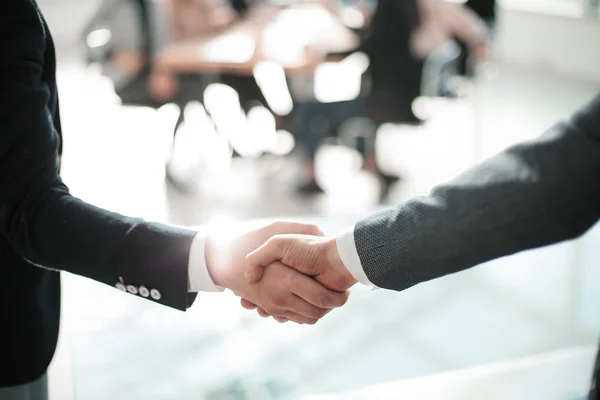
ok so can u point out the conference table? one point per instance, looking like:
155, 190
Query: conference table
296, 37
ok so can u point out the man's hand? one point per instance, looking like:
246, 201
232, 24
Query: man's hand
314, 256
283, 292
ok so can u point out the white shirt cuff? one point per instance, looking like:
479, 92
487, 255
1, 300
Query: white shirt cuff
347, 250
199, 280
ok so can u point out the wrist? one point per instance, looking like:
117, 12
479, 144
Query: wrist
335, 260
215, 271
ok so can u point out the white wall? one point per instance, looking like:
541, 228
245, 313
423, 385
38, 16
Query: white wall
568, 44
66, 19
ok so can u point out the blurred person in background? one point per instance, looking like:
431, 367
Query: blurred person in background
191, 19
45, 229
470, 25
399, 37
125, 42
140, 29
533, 194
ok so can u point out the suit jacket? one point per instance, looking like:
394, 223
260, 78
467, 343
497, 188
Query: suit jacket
533, 194
43, 228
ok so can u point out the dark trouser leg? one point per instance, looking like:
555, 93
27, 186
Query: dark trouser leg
311, 125
36, 390
595, 390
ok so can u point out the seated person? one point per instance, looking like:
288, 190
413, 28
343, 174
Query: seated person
139, 29
442, 21
400, 36
123, 54
199, 18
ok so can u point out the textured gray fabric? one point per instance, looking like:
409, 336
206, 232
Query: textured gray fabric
530, 195
36, 390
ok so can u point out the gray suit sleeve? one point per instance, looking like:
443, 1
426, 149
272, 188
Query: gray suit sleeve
533, 194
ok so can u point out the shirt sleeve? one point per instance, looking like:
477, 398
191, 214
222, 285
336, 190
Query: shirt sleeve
199, 277
346, 247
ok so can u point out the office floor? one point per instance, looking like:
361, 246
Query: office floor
119, 347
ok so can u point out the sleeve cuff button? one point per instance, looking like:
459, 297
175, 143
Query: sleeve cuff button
155, 294
144, 292
132, 289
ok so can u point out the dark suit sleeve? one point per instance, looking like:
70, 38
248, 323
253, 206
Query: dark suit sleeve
530, 195
41, 220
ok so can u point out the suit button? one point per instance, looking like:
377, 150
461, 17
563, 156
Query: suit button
121, 287
144, 292
155, 294
132, 289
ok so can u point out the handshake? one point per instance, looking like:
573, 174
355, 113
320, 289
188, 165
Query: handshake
286, 270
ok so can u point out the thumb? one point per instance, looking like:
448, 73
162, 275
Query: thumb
272, 250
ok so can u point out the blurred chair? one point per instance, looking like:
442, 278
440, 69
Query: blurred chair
439, 68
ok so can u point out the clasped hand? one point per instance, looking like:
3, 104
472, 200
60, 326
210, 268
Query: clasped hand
286, 270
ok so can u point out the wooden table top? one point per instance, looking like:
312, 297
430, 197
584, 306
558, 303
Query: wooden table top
296, 37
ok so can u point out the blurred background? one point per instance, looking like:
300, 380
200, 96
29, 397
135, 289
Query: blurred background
217, 111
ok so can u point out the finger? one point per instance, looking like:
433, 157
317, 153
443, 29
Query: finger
247, 305
289, 302
272, 250
302, 307
281, 320
316, 294
298, 318
262, 312
287, 316
300, 228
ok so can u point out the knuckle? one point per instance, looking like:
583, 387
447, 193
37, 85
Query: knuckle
276, 242
250, 259
338, 299
279, 301
323, 300
312, 228
299, 257
319, 313
335, 281
340, 282
343, 298
289, 316
290, 279
272, 310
